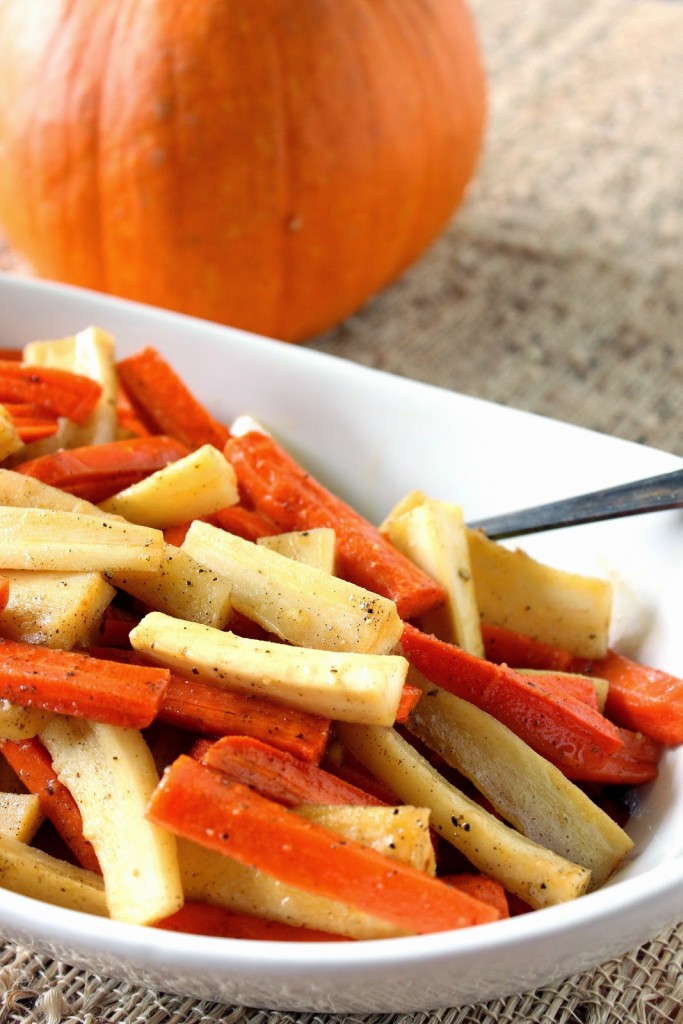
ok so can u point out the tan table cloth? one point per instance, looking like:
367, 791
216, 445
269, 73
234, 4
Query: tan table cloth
558, 289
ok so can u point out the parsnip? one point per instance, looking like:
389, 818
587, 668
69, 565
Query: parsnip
10, 441
90, 353
561, 608
111, 775
19, 491
20, 815
524, 788
33, 873
401, 832
180, 587
314, 547
17, 723
305, 606
192, 487
342, 685
41, 539
433, 535
537, 875
52, 608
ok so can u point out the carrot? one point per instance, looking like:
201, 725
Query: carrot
632, 765
555, 724
643, 698
130, 424
234, 519
114, 628
176, 534
577, 686
36, 430
409, 700
351, 771
195, 705
200, 707
199, 804
31, 422
4, 592
73, 683
278, 775
56, 391
164, 403
95, 472
277, 487
209, 919
244, 522
483, 888
33, 764
505, 646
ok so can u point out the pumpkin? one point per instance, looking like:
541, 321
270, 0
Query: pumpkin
265, 163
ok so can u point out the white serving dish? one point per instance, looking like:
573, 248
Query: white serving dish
373, 437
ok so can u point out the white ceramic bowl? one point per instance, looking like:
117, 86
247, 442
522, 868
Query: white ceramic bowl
373, 437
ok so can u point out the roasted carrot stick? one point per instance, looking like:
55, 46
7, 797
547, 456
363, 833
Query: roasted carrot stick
95, 472
4, 592
73, 683
632, 765
212, 711
56, 391
277, 487
127, 418
578, 686
244, 522
556, 725
409, 700
278, 775
206, 709
505, 646
357, 775
235, 519
33, 764
208, 919
483, 888
200, 804
165, 404
114, 628
36, 430
176, 534
642, 698
31, 422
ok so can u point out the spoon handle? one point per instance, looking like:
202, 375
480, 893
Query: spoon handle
651, 495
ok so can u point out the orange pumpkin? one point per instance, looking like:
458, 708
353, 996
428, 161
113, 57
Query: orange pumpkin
265, 163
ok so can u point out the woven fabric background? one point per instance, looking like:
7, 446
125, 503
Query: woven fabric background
558, 289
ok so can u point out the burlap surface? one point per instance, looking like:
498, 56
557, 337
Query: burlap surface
558, 289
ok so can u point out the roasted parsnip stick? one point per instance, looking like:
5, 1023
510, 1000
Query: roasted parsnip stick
111, 775
33, 873
192, 487
538, 876
561, 608
343, 685
41, 539
300, 604
524, 788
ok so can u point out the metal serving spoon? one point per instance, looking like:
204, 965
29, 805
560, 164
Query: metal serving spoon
651, 495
